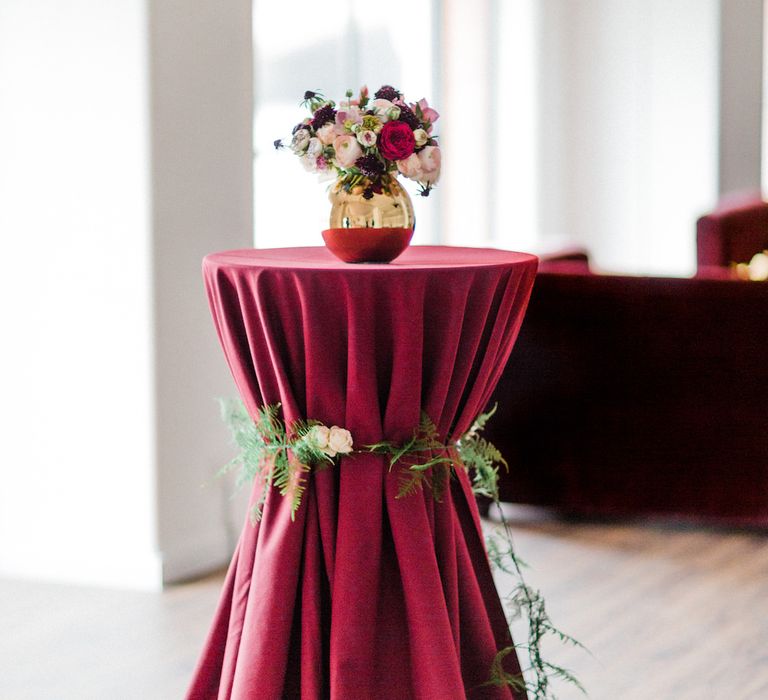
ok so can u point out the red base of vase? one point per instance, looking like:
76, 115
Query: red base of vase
367, 245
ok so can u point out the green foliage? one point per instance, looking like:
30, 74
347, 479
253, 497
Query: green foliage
481, 457
269, 452
484, 460
433, 471
281, 457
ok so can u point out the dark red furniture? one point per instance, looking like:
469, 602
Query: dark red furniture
639, 396
734, 232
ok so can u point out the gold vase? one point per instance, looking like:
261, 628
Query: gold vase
360, 207
369, 226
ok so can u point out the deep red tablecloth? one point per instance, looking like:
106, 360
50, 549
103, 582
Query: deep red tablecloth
365, 595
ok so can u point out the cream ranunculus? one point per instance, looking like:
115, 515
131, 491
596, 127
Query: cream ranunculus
340, 440
366, 138
421, 137
347, 150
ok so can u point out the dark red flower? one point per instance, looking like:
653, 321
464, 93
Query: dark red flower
408, 116
386, 92
323, 116
396, 140
370, 166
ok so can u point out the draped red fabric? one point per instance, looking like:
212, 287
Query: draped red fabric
365, 595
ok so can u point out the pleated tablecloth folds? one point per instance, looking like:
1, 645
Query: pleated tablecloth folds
364, 595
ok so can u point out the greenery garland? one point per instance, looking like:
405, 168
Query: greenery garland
281, 457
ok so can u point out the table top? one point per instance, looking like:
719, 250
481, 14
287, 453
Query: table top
414, 258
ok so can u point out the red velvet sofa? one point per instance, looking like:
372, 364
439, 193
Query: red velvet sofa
639, 396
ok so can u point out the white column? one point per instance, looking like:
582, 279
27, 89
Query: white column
201, 116
741, 95
126, 151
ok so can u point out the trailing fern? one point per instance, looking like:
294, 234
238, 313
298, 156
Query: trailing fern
281, 457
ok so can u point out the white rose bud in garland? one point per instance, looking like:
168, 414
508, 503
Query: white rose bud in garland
318, 437
340, 441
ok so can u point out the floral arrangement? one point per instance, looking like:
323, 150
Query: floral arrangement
364, 142
281, 455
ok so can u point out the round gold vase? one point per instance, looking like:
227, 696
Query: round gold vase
372, 229
390, 208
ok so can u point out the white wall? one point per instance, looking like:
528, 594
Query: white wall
628, 128
119, 169
76, 478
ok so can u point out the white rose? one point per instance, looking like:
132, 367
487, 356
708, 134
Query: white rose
340, 440
366, 138
300, 141
394, 113
314, 147
421, 137
319, 436
327, 133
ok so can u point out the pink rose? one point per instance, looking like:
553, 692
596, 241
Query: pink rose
410, 167
429, 157
347, 150
396, 141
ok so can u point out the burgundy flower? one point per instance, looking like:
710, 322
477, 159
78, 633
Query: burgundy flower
325, 114
396, 140
408, 116
386, 92
370, 166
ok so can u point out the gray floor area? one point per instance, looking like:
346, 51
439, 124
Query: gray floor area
668, 612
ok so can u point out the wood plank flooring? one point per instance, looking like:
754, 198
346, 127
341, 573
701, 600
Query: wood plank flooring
668, 612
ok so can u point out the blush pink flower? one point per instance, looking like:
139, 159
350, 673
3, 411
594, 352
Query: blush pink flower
410, 167
327, 134
429, 158
346, 119
347, 150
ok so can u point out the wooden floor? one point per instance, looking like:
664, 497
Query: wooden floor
669, 613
